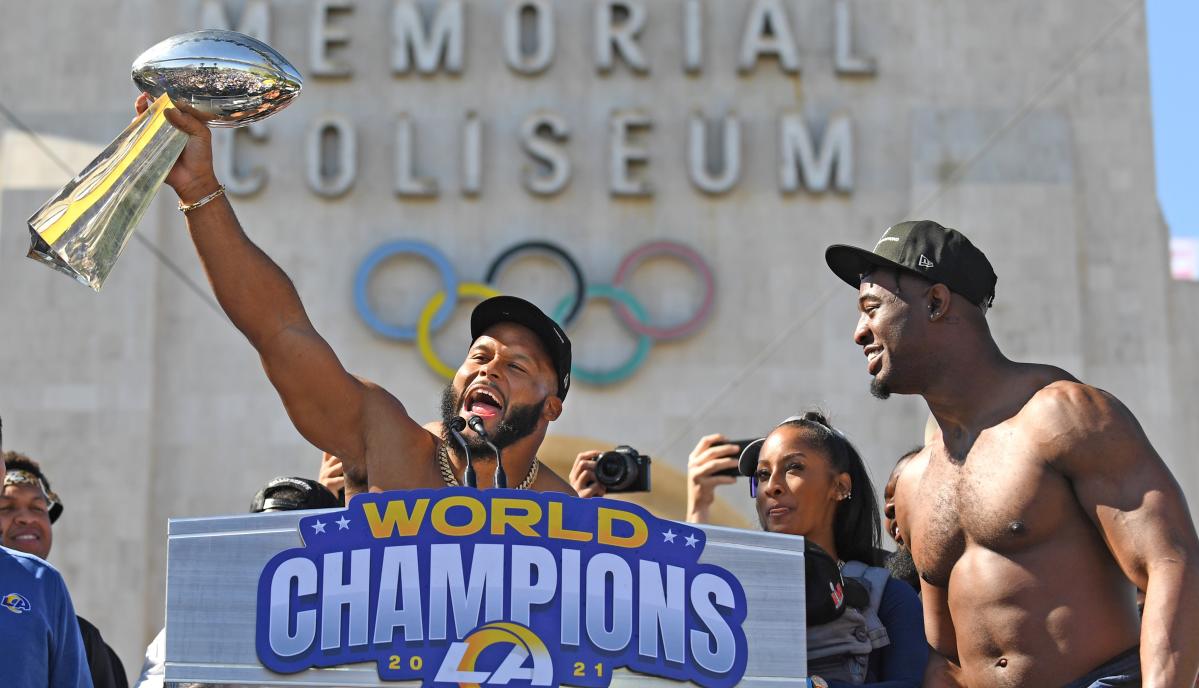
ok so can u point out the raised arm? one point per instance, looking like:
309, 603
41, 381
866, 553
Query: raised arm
1132, 498
711, 455
331, 408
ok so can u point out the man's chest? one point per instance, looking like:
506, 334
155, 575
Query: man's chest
1002, 496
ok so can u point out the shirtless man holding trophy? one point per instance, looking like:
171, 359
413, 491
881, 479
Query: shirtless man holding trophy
514, 378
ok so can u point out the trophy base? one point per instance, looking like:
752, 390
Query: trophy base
83, 229
40, 251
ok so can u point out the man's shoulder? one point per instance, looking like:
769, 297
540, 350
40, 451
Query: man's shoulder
401, 460
1067, 404
29, 584
30, 564
1081, 427
549, 481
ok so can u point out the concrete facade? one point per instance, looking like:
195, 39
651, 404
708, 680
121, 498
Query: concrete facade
1024, 124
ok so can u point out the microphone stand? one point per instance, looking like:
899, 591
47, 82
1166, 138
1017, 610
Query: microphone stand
501, 478
468, 476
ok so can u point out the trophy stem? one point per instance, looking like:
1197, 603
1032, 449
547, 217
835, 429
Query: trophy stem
82, 230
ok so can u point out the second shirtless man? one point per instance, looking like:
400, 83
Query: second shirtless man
1038, 504
516, 372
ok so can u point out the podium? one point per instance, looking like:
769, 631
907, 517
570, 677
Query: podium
221, 570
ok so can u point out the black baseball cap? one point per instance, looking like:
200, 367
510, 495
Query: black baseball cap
925, 248
291, 494
513, 309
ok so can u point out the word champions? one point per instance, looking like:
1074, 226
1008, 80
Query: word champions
499, 587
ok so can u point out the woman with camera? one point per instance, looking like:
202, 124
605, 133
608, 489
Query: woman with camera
809, 480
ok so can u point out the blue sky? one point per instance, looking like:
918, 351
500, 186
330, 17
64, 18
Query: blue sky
1174, 79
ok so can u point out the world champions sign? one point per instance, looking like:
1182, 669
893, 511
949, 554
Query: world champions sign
499, 587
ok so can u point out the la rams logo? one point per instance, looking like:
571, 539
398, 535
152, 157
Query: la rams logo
461, 662
16, 603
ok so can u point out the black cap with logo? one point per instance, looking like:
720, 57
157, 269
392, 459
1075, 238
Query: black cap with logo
292, 494
513, 309
925, 248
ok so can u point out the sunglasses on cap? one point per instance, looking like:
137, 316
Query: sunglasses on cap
17, 476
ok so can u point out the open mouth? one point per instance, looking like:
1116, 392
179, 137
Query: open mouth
483, 402
26, 537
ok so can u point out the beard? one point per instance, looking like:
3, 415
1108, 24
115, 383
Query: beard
879, 389
517, 423
901, 566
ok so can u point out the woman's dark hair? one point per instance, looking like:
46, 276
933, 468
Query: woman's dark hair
856, 527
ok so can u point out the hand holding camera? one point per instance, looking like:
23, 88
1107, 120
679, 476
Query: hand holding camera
582, 476
623, 469
713, 462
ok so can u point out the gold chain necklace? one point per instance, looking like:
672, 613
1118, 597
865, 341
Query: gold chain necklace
447, 471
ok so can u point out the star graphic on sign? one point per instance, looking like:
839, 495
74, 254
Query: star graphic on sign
318, 527
343, 523
668, 536
691, 540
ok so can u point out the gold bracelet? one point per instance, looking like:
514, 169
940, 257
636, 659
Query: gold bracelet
188, 207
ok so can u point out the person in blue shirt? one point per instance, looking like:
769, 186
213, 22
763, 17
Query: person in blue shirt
28, 511
40, 644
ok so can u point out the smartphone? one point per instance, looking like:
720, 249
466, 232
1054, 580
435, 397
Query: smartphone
741, 445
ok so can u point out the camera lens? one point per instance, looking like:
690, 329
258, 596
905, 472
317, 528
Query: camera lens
615, 470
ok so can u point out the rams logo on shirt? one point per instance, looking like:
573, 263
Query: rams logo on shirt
16, 603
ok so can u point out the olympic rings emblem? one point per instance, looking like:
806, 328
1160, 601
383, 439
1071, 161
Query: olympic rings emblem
627, 309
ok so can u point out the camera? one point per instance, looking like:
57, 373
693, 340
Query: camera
741, 445
623, 470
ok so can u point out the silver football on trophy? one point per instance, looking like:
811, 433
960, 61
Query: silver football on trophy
226, 78
231, 77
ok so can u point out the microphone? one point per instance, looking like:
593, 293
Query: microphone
456, 427
476, 424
